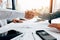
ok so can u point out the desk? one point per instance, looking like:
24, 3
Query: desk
29, 27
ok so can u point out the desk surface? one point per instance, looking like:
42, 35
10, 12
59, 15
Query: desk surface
29, 27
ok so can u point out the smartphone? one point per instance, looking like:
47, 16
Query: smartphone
44, 35
9, 34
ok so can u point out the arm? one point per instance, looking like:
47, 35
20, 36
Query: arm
50, 16
54, 25
10, 14
16, 14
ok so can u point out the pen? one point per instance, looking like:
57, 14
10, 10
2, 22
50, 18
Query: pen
33, 36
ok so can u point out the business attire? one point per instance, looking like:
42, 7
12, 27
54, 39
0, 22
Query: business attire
50, 16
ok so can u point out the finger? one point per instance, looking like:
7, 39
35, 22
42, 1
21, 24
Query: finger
52, 25
20, 21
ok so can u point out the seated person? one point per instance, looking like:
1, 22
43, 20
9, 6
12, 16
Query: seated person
54, 25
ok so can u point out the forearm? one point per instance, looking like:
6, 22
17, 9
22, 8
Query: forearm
55, 15
50, 16
45, 16
10, 14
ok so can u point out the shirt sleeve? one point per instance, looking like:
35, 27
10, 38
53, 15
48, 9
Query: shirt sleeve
16, 14
45, 16
5, 14
50, 16
10, 14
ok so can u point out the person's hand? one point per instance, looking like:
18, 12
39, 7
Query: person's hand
17, 21
29, 14
54, 25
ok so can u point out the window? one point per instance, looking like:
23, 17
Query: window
23, 5
56, 5
11, 4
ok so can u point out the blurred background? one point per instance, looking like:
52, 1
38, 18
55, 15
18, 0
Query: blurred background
46, 6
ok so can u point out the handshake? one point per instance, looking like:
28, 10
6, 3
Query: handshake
30, 14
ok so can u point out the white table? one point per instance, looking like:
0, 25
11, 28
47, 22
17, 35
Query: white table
29, 27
